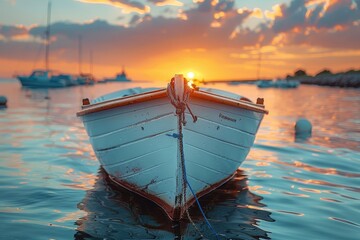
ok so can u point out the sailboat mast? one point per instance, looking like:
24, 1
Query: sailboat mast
259, 65
80, 53
91, 62
47, 49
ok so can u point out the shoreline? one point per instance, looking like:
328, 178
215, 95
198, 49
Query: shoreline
344, 80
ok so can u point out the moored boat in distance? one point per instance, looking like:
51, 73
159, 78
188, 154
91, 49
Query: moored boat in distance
278, 83
45, 79
264, 84
171, 145
120, 77
86, 79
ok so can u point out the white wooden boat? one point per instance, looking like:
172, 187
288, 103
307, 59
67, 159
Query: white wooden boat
168, 144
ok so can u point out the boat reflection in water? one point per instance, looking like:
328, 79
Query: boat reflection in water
116, 213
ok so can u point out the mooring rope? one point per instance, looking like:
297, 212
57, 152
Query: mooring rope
184, 179
180, 111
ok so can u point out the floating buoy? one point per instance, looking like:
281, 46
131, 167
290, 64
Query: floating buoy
303, 127
3, 101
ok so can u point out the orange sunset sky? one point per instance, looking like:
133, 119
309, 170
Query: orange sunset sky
153, 39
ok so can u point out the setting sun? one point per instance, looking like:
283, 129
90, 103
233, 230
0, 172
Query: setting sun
190, 75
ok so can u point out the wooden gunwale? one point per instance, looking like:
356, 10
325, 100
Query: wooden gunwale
143, 97
229, 101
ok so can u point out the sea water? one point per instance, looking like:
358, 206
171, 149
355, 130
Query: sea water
52, 186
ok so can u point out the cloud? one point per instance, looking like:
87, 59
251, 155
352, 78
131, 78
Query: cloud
166, 2
158, 35
339, 13
332, 24
225, 5
277, 12
257, 13
313, 14
347, 38
151, 36
125, 5
12, 31
204, 6
212, 26
291, 16
302, 14
135, 19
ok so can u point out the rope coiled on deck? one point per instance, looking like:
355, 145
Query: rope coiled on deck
179, 104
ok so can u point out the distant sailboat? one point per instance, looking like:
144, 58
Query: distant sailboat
84, 78
46, 78
281, 83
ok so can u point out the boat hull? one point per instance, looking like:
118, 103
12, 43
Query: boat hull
36, 83
140, 147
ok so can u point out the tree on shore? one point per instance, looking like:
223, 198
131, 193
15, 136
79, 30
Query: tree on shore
324, 72
289, 76
352, 71
300, 73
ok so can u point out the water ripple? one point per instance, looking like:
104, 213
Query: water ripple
51, 188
